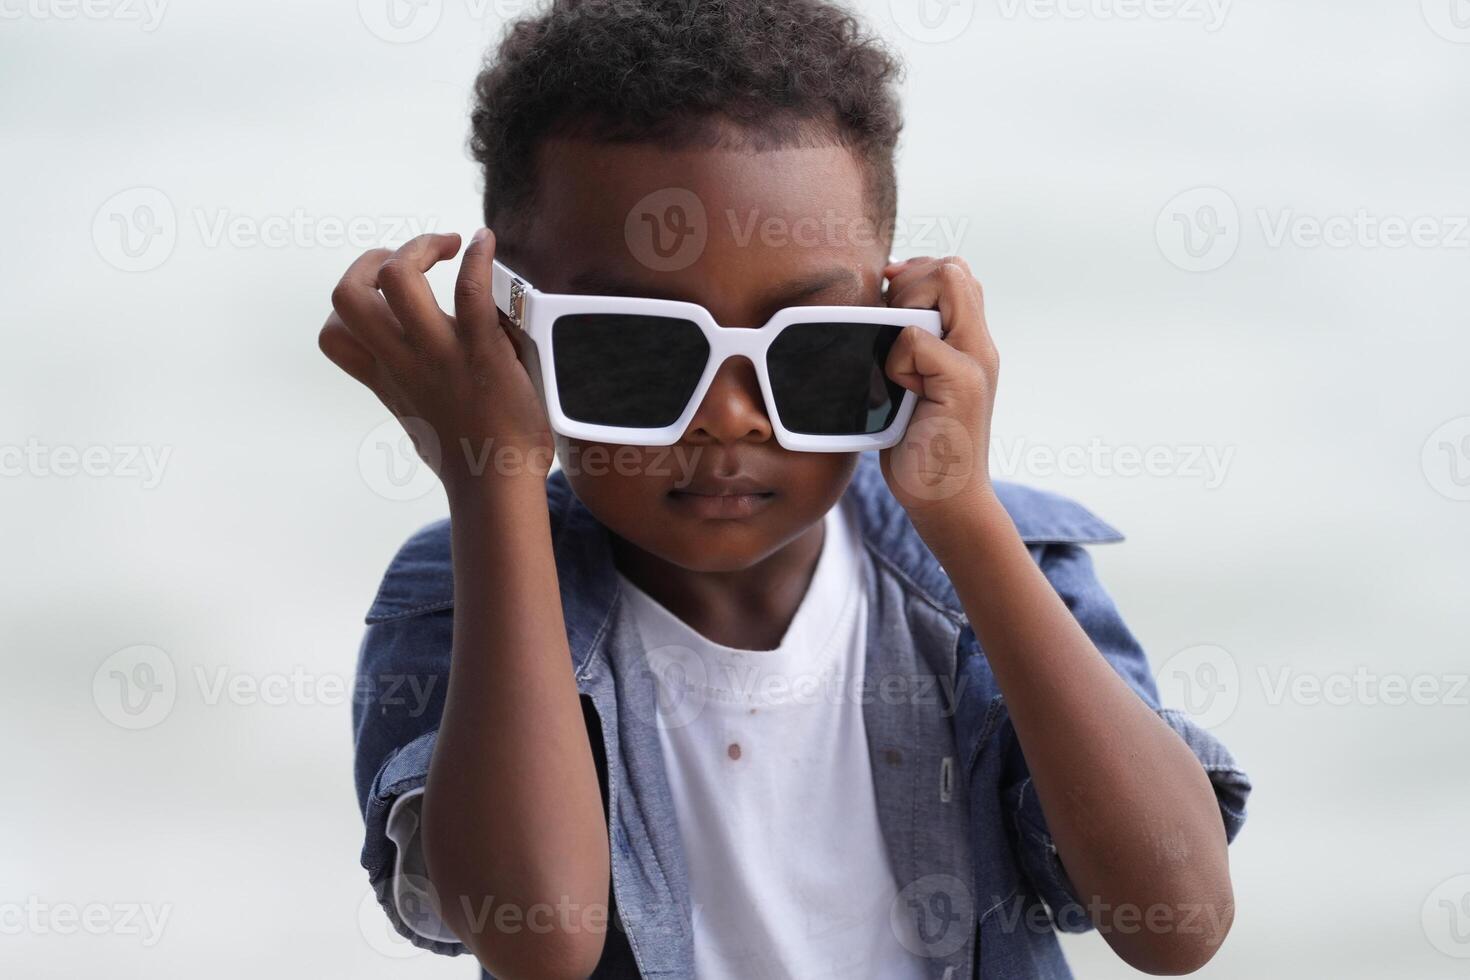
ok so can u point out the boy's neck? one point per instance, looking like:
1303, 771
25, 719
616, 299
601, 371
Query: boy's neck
748, 609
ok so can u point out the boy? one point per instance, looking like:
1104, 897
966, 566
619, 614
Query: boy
724, 709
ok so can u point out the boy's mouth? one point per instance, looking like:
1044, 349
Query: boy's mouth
722, 497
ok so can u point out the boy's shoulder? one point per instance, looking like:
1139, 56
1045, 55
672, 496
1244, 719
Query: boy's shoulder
1043, 517
420, 577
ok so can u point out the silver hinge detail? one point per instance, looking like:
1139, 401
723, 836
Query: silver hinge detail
517, 301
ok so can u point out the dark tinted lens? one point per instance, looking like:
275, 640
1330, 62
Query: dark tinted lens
633, 371
828, 378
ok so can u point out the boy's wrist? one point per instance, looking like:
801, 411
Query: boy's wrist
966, 523
498, 492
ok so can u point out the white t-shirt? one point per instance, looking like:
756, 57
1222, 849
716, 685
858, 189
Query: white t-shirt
767, 762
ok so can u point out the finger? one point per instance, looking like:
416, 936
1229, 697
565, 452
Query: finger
476, 320
347, 352
920, 287
891, 273
964, 294
401, 278
901, 363
931, 368
362, 309
901, 263
906, 273
954, 292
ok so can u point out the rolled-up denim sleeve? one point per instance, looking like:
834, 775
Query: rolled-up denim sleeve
401, 681
1069, 569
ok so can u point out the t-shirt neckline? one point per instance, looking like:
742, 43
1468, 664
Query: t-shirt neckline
808, 653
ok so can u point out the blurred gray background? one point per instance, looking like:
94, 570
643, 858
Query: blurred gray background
1225, 249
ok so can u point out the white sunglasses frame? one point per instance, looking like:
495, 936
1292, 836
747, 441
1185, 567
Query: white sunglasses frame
532, 313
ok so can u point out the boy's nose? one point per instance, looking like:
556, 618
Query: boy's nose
733, 409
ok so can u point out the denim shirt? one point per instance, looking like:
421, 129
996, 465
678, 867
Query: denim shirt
977, 870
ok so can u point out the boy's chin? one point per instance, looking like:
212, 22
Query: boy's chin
717, 546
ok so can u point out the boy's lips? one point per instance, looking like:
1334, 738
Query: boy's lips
722, 497
709, 485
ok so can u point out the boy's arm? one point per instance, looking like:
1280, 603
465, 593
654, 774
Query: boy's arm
512, 814
514, 838
1133, 813
1134, 816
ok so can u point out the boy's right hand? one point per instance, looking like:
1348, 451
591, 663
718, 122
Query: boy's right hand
455, 377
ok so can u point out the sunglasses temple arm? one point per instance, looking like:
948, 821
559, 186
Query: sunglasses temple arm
509, 290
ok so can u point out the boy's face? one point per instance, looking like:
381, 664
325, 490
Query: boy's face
786, 227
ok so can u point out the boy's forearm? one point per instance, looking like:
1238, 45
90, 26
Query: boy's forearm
1133, 814
513, 821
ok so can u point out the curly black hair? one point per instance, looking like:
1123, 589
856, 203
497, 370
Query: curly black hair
668, 72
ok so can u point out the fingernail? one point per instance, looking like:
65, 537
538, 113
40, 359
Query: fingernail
479, 236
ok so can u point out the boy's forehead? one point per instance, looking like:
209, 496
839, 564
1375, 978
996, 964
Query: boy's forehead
656, 213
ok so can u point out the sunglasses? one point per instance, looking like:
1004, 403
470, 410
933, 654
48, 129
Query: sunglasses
633, 371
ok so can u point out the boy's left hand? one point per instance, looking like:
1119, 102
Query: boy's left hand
941, 466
